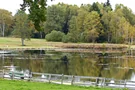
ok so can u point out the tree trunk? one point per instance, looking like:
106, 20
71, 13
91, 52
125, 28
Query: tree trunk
109, 37
41, 35
3, 28
22, 39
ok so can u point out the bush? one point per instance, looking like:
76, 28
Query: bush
66, 39
69, 38
118, 40
55, 36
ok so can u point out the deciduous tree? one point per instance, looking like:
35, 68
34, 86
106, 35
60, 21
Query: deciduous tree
92, 26
6, 21
22, 26
37, 12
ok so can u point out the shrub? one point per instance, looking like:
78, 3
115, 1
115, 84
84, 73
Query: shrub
55, 36
70, 38
66, 39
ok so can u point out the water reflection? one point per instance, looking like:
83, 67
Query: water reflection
83, 64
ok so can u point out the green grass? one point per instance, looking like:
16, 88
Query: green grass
16, 43
11, 42
25, 85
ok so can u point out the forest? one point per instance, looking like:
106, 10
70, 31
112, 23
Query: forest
88, 23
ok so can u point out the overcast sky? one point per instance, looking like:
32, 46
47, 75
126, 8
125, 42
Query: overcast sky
13, 5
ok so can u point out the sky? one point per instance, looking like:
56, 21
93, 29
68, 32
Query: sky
14, 5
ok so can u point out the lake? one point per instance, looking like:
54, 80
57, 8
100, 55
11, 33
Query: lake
116, 65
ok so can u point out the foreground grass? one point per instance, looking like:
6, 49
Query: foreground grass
25, 85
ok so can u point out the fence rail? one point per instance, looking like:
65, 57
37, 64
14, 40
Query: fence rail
71, 80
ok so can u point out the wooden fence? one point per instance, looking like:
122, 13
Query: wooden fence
72, 80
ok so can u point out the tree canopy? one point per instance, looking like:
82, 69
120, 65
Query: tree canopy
37, 10
96, 22
22, 27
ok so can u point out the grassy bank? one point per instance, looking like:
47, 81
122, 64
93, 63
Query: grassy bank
16, 43
25, 85
42, 43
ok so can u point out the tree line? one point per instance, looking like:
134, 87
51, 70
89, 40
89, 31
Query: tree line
96, 22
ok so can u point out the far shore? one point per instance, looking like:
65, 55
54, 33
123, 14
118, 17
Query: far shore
42, 44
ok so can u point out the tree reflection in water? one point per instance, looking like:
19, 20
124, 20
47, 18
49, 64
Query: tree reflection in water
83, 64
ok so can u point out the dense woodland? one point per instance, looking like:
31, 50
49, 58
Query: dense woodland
70, 23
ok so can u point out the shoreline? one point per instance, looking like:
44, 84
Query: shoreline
72, 47
42, 44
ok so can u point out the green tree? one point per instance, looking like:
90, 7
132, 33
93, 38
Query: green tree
114, 22
94, 7
73, 27
86, 7
107, 6
70, 11
55, 18
37, 10
22, 26
125, 12
131, 34
82, 13
6, 20
125, 22
92, 26
119, 27
58, 17
106, 18
76, 26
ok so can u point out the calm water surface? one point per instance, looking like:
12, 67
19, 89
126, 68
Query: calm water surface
116, 66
